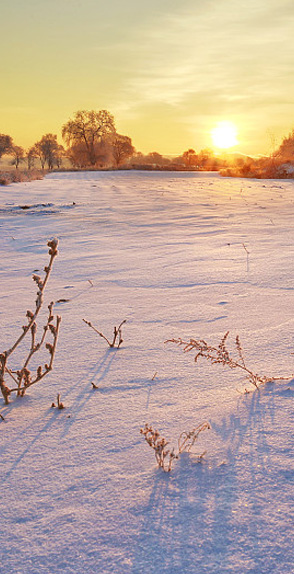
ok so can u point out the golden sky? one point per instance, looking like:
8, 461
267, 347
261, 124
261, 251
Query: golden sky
168, 71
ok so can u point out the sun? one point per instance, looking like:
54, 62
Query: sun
224, 135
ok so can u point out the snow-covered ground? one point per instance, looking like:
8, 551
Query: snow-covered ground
176, 255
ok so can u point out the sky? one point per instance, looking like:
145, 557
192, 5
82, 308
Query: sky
168, 71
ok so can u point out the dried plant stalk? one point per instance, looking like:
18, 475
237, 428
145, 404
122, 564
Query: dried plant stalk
222, 356
165, 456
187, 439
60, 405
117, 333
24, 377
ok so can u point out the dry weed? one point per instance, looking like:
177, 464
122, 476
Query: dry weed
18, 176
187, 439
222, 356
23, 377
165, 456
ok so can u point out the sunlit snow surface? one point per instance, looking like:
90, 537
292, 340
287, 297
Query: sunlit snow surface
177, 255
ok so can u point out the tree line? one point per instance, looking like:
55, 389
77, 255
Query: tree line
91, 140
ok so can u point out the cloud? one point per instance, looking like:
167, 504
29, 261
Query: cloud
225, 48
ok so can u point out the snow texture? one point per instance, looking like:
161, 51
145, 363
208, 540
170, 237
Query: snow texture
176, 255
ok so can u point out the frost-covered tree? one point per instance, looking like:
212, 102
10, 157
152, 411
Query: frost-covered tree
87, 130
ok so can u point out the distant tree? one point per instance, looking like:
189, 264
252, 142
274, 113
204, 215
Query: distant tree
154, 158
137, 158
59, 155
190, 158
48, 151
5, 144
178, 161
122, 149
18, 155
206, 158
30, 157
39, 153
87, 129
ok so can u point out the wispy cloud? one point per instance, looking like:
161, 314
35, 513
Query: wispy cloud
229, 49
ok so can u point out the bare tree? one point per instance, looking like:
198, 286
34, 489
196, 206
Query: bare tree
87, 129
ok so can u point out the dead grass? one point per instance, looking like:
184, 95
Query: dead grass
18, 176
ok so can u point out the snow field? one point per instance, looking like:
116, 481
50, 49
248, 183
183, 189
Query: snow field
177, 255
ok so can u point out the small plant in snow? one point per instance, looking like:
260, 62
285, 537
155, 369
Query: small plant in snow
222, 356
187, 439
59, 405
117, 334
165, 456
23, 378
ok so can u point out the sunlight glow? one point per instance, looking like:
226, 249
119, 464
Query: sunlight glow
224, 135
